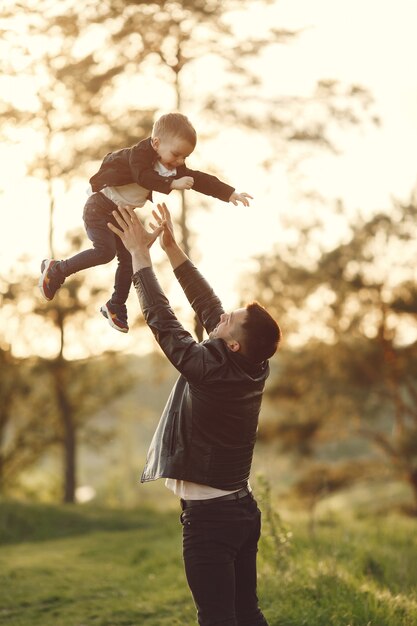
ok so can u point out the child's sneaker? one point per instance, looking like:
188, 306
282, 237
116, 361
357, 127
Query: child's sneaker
51, 279
116, 315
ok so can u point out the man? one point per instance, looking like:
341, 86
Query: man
203, 445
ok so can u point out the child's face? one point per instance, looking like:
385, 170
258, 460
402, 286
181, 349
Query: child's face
172, 151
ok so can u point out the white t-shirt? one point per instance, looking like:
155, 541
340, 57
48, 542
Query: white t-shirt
132, 195
194, 491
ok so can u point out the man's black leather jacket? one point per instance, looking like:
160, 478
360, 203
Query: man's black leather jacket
135, 165
207, 431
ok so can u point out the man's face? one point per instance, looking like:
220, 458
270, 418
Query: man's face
230, 327
172, 151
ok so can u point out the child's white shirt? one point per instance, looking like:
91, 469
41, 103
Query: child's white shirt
132, 195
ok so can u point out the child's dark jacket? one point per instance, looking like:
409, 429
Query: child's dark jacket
135, 165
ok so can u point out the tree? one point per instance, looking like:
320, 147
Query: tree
66, 119
24, 431
76, 82
354, 311
59, 121
42, 390
77, 79
165, 41
166, 38
48, 400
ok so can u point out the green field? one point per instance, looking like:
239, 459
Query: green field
90, 566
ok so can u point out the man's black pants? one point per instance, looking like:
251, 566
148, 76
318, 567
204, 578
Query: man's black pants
220, 543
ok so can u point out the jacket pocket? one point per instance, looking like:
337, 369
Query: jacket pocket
173, 434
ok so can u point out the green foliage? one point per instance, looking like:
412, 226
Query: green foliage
26, 426
323, 479
276, 537
30, 427
23, 522
98, 567
49, 405
107, 567
349, 317
50, 401
76, 86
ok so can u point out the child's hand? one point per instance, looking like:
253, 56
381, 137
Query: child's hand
186, 182
240, 197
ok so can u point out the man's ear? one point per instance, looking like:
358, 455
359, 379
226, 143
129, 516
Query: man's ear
233, 345
155, 143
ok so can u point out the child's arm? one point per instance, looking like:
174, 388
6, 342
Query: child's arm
142, 172
210, 185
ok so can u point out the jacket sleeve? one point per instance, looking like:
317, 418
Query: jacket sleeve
207, 184
141, 167
200, 295
196, 361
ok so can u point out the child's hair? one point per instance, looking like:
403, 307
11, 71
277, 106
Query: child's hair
175, 125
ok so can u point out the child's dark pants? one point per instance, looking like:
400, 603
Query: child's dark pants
97, 213
220, 542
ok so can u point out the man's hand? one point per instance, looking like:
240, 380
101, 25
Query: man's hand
164, 220
136, 239
240, 197
186, 182
165, 230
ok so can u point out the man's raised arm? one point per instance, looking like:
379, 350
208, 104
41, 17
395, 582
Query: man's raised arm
197, 290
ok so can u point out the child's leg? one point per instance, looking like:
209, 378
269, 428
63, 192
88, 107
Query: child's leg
115, 309
123, 278
97, 213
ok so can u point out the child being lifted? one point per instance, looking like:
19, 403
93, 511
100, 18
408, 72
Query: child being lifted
127, 178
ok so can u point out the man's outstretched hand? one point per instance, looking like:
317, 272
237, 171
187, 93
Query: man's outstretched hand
167, 239
164, 221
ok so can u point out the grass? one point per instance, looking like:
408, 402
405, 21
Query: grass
79, 566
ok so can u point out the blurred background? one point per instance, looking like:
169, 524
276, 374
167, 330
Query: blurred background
308, 106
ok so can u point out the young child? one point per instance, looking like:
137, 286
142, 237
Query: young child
127, 177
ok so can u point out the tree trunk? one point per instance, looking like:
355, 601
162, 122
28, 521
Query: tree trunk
412, 479
4, 420
49, 178
69, 459
66, 417
185, 233
68, 431
1, 473
5, 410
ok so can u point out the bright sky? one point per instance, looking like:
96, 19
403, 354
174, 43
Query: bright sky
365, 42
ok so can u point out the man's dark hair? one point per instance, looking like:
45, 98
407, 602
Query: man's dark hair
261, 333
